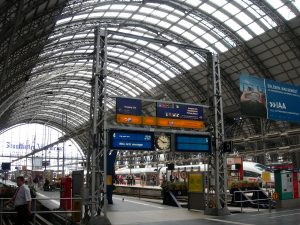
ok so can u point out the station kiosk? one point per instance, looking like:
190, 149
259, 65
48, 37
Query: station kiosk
284, 184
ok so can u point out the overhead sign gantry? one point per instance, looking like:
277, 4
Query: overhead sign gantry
170, 115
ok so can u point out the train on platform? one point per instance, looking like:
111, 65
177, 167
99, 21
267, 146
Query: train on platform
154, 176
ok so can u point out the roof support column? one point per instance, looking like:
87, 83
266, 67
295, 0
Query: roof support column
217, 180
96, 162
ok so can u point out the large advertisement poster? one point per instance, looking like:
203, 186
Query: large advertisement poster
269, 99
253, 99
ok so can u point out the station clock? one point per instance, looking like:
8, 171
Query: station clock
163, 142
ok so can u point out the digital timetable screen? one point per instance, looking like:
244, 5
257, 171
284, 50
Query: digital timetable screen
192, 143
131, 140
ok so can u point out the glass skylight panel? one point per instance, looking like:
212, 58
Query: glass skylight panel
207, 8
131, 8
185, 24
151, 83
286, 13
221, 47
172, 18
66, 38
164, 24
117, 7
220, 16
185, 65
163, 76
296, 4
176, 29
66, 20
154, 47
142, 42
256, 28
244, 18
160, 67
219, 2
175, 58
145, 65
95, 15
79, 17
197, 30
124, 15
200, 43
182, 54
209, 38
254, 11
241, 3
275, 3
159, 14
152, 20
244, 34
111, 14
102, 7
164, 52
193, 3
178, 13
169, 73
138, 17
231, 9
233, 25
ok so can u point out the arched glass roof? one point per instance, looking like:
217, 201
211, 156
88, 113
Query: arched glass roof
60, 80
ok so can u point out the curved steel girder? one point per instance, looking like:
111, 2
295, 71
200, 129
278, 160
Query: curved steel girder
129, 82
35, 110
72, 108
250, 55
72, 120
189, 82
53, 86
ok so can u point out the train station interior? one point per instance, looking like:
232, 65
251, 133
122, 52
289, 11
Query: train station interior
153, 112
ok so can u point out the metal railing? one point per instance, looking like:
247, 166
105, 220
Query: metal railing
36, 213
252, 200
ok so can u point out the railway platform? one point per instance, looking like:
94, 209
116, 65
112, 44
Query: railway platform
134, 211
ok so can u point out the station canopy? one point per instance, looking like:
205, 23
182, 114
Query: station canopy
47, 50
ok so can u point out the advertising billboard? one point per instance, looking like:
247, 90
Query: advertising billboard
269, 99
131, 140
192, 143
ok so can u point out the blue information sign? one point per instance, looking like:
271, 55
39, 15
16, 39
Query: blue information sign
269, 99
129, 106
177, 111
283, 101
131, 140
192, 143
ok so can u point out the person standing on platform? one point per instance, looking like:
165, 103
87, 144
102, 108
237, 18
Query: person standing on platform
22, 202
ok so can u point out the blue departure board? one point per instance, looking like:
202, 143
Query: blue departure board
192, 143
131, 140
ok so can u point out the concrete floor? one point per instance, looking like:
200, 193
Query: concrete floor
133, 211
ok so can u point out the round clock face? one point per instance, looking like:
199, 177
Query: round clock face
163, 142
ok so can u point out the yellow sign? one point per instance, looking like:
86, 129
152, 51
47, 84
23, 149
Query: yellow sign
195, 183
266, 176
275, 196
109, 180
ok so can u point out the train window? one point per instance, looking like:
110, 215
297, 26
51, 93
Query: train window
250, 174
260, 167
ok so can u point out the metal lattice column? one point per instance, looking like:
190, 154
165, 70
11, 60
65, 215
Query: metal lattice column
98, 142
217, 179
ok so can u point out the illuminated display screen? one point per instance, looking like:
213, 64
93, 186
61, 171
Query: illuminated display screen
192, 143
131, 140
